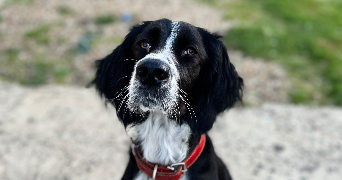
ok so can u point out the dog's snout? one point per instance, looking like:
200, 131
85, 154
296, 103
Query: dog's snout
152, 72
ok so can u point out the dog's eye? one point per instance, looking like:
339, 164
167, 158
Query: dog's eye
190, 51
145, 45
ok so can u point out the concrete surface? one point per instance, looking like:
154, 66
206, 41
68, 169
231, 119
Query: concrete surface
66, 133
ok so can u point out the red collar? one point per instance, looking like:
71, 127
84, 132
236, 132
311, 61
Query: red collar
170, 172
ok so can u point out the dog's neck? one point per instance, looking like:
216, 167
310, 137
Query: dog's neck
162, 140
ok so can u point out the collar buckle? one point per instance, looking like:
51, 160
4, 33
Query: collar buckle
172, 167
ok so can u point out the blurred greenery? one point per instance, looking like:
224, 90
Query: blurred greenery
39, 34
304, 36
105, 19
12, 54
64, 10
40, 70
28, 59
11, 2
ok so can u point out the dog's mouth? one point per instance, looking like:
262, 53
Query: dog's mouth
150, 99
148, 103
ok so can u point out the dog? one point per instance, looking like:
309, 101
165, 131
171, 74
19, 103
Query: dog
168, 81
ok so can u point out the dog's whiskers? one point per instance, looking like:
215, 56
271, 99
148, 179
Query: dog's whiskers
122, 92
123, 101
181, 90
172, 111
126, 108
188, 105
121, 78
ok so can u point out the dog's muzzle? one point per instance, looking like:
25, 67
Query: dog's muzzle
153, 86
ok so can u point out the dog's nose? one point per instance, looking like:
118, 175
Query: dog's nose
152, 72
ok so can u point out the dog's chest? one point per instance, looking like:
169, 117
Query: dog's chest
163, 141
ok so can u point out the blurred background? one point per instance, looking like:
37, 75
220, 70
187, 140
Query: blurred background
288, 52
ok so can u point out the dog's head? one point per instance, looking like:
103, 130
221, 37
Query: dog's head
173, 67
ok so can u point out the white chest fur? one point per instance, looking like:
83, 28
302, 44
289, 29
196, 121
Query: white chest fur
162, 140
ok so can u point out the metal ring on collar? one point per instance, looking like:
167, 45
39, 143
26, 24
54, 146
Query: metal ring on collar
155, 171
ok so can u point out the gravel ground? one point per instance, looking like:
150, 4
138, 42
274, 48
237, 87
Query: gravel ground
66, 133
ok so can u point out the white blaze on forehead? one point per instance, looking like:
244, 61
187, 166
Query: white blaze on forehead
166, 52
173, 35
170, 40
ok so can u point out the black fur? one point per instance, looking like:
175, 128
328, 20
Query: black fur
212, 86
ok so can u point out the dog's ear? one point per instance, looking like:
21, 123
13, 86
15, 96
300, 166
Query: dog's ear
114, 70
226, 84
109, 70
220, 85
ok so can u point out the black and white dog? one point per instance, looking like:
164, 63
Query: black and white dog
168, 81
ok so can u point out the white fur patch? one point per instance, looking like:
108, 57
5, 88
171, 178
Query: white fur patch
163, 141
